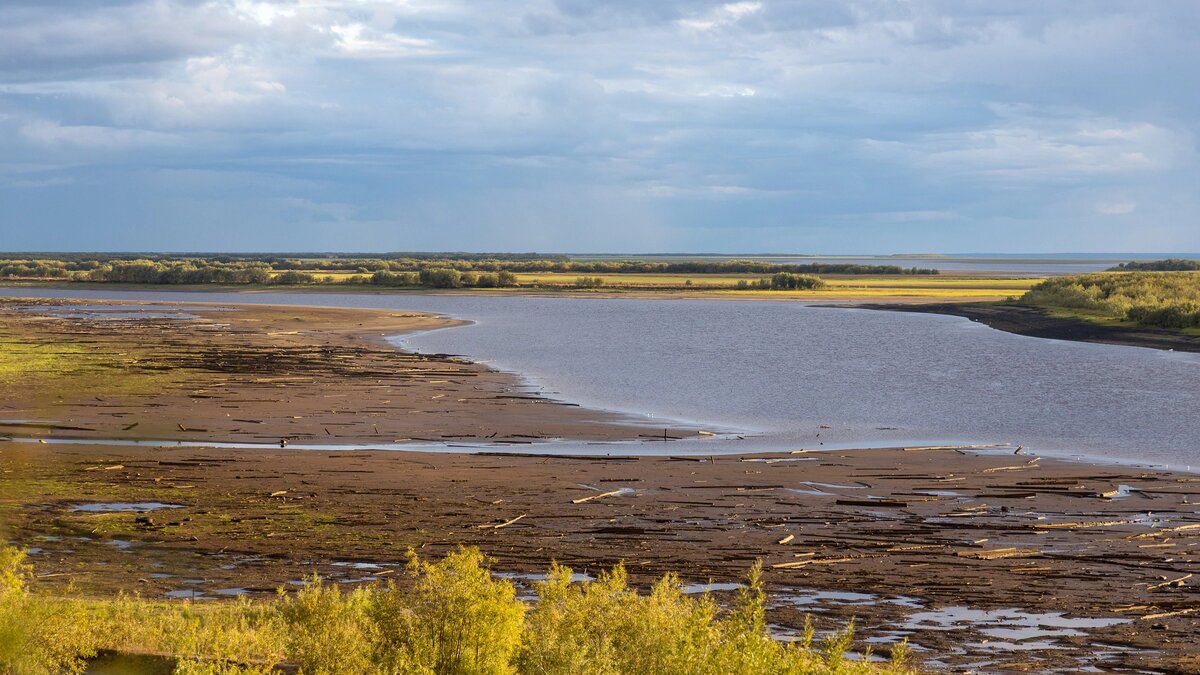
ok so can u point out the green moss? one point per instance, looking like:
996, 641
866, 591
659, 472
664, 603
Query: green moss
33, 370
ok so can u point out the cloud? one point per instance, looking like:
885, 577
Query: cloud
844, 123
1046, 148
725, 15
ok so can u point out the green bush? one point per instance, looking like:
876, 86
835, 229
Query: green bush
790, 281
452, 617
38, 635
441, 277
1165, 299
449, 617
292, 277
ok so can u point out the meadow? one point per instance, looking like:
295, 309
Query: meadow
522, 273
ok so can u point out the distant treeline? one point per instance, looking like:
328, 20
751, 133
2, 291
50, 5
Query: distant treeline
1163, 299
1168, 265
249, 269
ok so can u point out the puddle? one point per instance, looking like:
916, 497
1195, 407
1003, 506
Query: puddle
812, 599
120, 544
832, 486
818, 493
129, 507
1149, 520
360, 565
690, 589
905, 601
620, 492
34, 550
540, 576
1011, 626
233, 592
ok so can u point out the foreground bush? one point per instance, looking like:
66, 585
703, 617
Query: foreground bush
38, 635
448, 617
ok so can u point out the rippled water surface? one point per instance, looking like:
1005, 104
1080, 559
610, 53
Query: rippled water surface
790, 375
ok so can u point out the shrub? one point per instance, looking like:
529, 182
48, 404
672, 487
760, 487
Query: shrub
1166, 299
292, 277
790, 281
451, 617
589, 282
327, 630
37, 635
440, 277
443, 618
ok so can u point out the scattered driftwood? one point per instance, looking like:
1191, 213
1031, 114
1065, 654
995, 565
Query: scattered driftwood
891, 503
1163, 615
1171, 583
787, 539
1080, 525
504, 524
997, 553
599, 496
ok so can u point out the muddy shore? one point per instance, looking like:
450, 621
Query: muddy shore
264, 374
1035, 322
984, 559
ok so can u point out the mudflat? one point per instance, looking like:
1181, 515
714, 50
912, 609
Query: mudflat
261, 374
983, 558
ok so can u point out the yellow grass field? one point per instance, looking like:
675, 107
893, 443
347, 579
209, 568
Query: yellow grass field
931, 287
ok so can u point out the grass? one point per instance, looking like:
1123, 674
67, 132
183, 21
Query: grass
836, 286
451, 616
53, 370
1161, 299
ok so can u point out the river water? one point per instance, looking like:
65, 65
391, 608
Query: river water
785, 375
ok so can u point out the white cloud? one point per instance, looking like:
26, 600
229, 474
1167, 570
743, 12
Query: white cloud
1048, 148
205, 92
725, 15
356, 39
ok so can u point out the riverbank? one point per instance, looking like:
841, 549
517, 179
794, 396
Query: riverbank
978, 556
265, 375
1037, 322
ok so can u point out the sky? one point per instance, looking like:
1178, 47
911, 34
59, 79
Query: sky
830, 126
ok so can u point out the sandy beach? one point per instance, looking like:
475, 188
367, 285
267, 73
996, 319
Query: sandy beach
982, 558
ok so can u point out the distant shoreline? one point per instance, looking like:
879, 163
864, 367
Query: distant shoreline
1035, 322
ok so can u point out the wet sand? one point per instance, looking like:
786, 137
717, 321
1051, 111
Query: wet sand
984, 559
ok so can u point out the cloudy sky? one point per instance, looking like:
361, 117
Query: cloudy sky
831, 126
